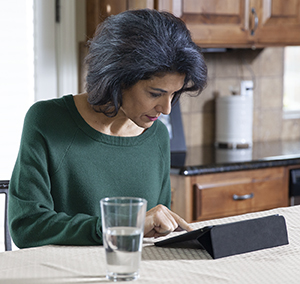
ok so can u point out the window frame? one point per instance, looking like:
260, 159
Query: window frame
287, 112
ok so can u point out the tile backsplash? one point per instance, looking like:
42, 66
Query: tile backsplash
226, 70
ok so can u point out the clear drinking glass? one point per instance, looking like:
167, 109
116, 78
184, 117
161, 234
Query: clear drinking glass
123, 229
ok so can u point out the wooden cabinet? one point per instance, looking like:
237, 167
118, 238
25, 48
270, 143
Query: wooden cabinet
278, 22
217, 23
239, 23
218, 195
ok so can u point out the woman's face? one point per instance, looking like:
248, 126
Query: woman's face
144, 102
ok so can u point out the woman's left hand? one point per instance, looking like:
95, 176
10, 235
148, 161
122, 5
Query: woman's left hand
161, 221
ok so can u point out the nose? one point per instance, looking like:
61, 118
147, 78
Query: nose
165, 105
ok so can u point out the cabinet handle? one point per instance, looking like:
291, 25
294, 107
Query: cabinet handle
255, 21
242, 197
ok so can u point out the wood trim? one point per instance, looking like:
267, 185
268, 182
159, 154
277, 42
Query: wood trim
182, 197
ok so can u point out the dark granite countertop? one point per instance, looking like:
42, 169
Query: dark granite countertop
209, 159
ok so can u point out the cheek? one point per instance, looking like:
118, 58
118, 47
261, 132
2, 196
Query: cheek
138, 108
137, 104
133, 111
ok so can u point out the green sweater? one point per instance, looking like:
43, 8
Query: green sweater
64, 167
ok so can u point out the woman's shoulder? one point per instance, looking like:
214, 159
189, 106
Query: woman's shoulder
47, 106
46, 110
49, 114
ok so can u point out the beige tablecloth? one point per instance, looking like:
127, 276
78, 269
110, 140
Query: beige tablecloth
63, 264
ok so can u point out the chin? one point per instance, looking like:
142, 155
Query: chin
144, 125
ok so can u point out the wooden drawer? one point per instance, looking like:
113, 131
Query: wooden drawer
220, 195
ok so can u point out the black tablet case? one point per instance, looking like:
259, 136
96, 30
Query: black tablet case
234, 238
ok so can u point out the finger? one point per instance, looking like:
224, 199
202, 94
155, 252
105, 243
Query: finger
158, 219
181, 222
165, 223
169, 221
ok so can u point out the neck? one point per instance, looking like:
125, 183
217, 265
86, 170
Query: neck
119, 125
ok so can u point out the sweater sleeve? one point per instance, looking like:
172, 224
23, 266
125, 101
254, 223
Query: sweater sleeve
164, 145
32, 218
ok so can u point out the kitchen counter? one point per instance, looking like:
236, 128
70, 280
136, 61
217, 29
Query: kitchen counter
209, 159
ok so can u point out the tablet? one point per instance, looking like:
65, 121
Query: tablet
234, 238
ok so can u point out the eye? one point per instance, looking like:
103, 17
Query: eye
155, 95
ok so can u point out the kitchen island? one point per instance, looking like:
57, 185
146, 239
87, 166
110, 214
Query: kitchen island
214, 182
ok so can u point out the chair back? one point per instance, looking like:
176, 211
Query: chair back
4, 189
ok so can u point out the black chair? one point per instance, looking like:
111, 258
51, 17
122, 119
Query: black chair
7, 239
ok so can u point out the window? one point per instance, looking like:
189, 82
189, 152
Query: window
16, 81
38, 61
291, 92
16, 77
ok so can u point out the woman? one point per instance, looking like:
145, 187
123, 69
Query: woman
78, 149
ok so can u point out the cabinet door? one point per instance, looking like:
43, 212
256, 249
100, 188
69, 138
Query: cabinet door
213, 23
278, 22
98, 10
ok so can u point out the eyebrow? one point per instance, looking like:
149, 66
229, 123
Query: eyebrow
159, 90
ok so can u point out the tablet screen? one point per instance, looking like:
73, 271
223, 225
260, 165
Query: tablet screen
186, 240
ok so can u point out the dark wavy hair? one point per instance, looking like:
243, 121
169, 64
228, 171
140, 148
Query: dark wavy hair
136, 45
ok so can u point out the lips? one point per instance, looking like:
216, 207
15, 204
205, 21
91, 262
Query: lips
152, 118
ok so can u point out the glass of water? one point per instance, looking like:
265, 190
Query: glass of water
123, 229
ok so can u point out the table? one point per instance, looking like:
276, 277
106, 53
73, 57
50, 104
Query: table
70, 264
